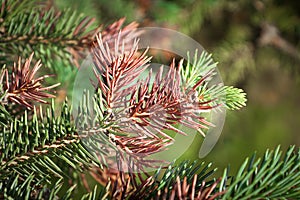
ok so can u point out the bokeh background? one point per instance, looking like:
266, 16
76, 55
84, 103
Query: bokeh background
256, 44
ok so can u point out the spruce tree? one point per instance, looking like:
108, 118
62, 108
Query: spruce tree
45, 152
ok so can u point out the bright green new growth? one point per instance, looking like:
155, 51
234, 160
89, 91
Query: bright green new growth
196, 68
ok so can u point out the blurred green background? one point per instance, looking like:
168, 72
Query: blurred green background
257, 46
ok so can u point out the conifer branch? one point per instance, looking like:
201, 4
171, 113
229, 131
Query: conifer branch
125, 124
116, 69
141, 111
51, 34
22, 87
36, 150
275, 175
4, 115
232, 98
151, 108
183, 181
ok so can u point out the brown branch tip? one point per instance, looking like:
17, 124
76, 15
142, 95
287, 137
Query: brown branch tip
22, 87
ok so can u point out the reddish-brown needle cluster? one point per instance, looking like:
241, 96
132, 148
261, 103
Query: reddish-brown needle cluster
143, 109
22, 87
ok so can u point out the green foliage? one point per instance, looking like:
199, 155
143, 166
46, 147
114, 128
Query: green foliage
276, 175
27, 26
235, 98
4, 115
45, 152
164, 181
35, 151
40, 147
196, 68
28, 189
